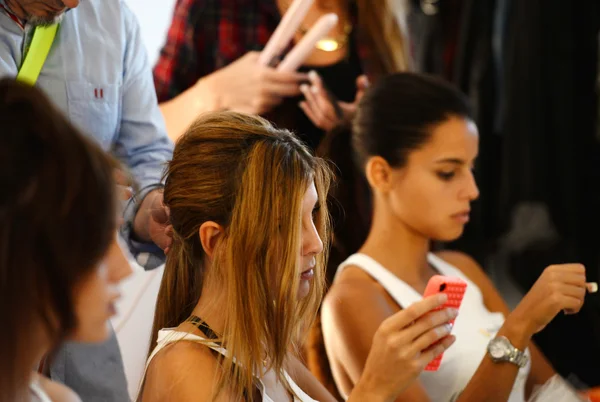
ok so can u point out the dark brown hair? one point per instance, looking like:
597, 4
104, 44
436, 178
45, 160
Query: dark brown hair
57, 220
395, 117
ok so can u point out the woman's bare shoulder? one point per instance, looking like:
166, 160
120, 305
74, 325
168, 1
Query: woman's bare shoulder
183, 371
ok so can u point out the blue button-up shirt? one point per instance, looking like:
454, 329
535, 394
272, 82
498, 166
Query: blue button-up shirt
97, 73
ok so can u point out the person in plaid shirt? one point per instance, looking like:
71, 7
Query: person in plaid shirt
209, 62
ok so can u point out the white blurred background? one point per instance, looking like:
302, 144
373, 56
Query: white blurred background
155, 17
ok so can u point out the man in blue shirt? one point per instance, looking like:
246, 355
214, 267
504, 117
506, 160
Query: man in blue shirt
97, 73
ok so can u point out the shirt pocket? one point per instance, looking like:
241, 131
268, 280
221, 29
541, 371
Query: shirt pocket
94, 108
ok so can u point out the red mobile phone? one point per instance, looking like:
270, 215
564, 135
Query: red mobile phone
455, 289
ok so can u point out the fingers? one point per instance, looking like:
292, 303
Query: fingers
322, 117
281, 77
125, 193
568, 283
322, 111
572, 297
577, 292
160, 230
251, 56
430, 321
348, 110
429, 338
592, 287
121, 178
282, 89
163, 238
310, 114
123, 184
570, 279
316, 102
403, 318
570, 305
169, 233
362, 83
277, 85
124, 190
433, 352
160, 215
567, 268
321, 96
159, 212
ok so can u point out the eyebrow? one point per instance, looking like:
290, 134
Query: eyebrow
454, 161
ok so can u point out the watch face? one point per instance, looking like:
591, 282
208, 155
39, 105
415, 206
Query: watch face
498, 349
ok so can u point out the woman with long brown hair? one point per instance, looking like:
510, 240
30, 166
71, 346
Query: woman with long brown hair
59, 260
244, 275
210, 62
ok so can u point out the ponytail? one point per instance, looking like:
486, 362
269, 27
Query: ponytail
180, 287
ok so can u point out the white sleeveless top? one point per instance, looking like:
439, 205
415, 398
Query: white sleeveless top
39, 395
169, 335
474, 327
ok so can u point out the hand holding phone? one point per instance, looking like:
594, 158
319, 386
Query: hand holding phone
455, 289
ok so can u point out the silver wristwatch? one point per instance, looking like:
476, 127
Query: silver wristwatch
501, 350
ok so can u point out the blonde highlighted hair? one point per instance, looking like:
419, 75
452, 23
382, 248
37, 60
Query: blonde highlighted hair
250, 178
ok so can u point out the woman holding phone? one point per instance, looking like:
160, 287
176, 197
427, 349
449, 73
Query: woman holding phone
211, 62
415, 143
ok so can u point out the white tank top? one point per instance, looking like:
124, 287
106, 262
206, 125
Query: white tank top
168, 336
474, 327
39, 395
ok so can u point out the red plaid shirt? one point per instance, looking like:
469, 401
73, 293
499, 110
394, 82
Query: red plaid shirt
206, 35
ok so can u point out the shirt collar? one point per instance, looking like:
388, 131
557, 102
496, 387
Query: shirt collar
4, 8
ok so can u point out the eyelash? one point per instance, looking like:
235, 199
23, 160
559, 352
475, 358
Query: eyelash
446, 176
316, 210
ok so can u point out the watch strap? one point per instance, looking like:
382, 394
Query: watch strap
515, 356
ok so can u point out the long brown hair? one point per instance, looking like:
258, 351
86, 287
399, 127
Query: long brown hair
247, 176
57, 220
382, 22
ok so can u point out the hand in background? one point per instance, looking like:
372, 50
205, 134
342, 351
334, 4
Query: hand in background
248, 87
152, 221
319, 106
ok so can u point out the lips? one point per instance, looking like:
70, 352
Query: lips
307, 274
462, 217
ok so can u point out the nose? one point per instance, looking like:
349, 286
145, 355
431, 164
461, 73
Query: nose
470, 191
117, 265
311, 241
